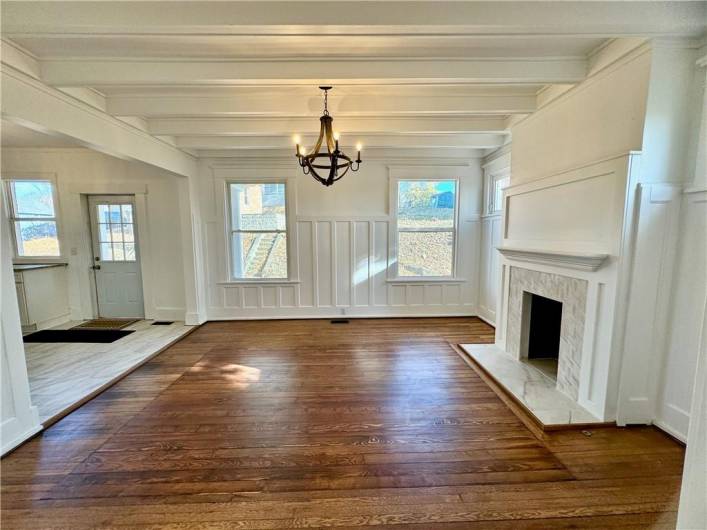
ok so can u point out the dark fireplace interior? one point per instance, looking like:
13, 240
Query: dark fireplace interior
544, 333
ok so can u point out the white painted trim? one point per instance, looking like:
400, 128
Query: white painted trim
11, 429
574, 260
33, 104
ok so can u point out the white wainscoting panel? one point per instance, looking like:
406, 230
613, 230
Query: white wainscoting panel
689, 291
650, 288
489, 267
343, 270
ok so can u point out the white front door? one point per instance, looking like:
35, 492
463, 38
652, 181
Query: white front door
116, 256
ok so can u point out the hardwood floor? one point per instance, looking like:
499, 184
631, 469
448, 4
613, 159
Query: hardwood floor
293, 424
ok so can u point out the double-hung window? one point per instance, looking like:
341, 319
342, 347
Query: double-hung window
258, 230
426, 227
33, 218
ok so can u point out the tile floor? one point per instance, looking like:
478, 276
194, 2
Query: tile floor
61, 374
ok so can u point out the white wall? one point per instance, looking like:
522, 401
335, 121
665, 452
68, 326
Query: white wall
18, 418
601, 117
82, 171
341, 236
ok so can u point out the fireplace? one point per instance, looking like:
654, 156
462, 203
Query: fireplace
540, 341
552, 301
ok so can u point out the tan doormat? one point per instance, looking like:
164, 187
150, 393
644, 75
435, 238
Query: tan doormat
107, 323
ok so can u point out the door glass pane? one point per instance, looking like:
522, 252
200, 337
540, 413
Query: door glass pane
426, 203
103, 213
36, 238
425, 253
257, 206
257, 255
106, 252
33, 198
127, 210
128, 233
116, 232
103, 233
118, 253
114, 213
130, 251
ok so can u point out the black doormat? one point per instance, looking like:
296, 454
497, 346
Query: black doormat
77, 335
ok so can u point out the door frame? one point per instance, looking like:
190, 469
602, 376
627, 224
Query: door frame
78, 198
92, 235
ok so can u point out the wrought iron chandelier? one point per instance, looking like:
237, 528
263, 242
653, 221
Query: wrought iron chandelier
334, 162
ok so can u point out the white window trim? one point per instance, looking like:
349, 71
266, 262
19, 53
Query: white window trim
290, 201
10, 208
393, 232
490, 206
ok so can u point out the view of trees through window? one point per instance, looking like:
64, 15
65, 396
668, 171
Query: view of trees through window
258, 230
34, 218
426, 227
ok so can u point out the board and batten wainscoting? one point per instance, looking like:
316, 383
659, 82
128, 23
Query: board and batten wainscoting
341, 264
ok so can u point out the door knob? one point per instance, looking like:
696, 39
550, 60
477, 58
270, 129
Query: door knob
96, 267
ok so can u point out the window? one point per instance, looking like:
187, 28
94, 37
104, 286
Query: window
426, 215
497, 183
116, 232
33, 217
258, 231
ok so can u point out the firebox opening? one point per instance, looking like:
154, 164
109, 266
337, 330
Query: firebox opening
544, 334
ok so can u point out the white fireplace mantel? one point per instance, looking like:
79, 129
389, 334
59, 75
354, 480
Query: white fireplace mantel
570, 260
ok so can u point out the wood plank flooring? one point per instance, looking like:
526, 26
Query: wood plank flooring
304, 424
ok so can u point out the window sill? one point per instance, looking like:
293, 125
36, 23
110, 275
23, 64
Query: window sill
256, 281
40, 261
422, 279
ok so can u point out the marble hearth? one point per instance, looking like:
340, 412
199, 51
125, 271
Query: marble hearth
529, 386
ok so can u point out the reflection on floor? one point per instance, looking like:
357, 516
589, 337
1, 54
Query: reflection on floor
62, 374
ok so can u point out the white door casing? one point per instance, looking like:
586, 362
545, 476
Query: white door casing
116, 256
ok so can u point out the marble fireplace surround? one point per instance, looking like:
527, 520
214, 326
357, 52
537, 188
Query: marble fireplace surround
572, 292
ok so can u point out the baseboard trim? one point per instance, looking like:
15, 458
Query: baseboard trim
328, 315
18, 439
489, 322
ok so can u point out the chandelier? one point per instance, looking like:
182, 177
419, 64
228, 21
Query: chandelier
332, 163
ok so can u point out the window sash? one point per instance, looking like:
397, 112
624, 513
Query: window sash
14, 218
232, 231
432, 229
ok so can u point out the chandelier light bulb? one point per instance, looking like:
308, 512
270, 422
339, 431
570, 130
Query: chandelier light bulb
359, 147
296, 139
336, 136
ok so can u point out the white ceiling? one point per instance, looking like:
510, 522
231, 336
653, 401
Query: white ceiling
242, 77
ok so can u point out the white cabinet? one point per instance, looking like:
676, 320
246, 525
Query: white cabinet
42, 295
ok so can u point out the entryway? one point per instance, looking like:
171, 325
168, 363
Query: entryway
116, 256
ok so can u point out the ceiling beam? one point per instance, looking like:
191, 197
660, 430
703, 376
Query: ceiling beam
121, 72
416, 141
352, 17
28, 102
286, 105
346, 126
